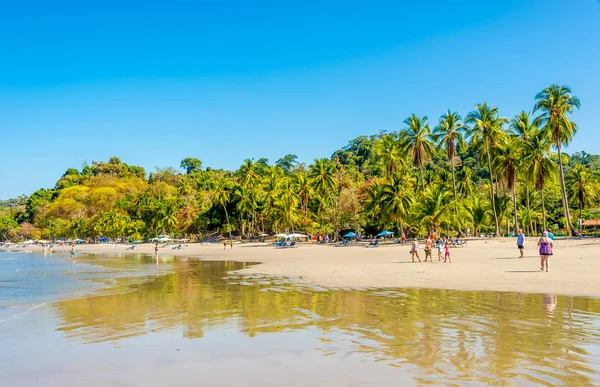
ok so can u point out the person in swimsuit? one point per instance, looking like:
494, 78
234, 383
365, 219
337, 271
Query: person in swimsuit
403, 238
72, 251
156, 250
546, 245
414, 250
447, 252
428, 248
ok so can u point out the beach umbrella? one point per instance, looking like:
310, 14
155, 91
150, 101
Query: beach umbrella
385, 233
296, 235
281, 235
350, 235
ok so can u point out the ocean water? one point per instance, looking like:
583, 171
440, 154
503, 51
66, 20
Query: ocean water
31, 280
124, 321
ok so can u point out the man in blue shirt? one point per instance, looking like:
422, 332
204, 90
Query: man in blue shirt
521, 243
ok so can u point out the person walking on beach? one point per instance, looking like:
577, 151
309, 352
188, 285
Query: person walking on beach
521, 243
440, 245
447, 252
414, 250
428, 248
224, 244
546, 245
403, 238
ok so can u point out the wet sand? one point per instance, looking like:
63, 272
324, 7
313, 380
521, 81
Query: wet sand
482, 265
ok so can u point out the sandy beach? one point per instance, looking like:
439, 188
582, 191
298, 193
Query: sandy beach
489, 264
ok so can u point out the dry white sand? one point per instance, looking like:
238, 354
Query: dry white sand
483, 265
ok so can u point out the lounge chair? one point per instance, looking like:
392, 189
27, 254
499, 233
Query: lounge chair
374, 244
343, 243
281, 245
177, 247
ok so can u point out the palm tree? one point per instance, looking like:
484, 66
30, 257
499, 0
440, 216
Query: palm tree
323, 177
582, 188
395, 200
507, 161
449, 134
541, 167
523, 127
221, 195
556, 103
435, 203
389, 153
416, 140
487, 127
478, 212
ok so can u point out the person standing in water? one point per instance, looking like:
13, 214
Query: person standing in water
72, 251
414, 250
521, 243
546, 245
156, 250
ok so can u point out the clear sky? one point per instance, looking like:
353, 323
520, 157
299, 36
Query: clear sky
153, 83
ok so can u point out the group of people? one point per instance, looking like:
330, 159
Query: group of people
441, 245
545, 245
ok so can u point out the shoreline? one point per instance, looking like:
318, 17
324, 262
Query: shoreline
484, 265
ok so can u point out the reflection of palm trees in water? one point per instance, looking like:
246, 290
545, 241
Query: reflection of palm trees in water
481, 337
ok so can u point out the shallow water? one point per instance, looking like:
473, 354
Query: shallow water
194, 323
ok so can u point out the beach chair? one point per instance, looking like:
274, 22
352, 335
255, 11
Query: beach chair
281, 245
374, 244
292, 245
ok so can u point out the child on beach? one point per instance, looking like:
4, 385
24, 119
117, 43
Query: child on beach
440, 246
447, 252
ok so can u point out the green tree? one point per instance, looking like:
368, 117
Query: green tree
582, 188
556, 104
416, 139
486, 128
191, 165
449, 134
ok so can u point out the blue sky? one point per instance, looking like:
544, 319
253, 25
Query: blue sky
153, 83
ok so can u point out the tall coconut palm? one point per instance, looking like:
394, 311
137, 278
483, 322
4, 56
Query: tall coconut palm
449, 134
486, 128
507, 162
556, 103
221, 196
582, 188
416, 140
540, 165
322, 174
525, 128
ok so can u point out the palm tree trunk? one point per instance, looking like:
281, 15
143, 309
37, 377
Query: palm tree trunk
530, 228
454, 186
543, 210
564, 193
489, 159
422, 179
514, 194
228, 225
580, 216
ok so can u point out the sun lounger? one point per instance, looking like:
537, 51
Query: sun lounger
374, 244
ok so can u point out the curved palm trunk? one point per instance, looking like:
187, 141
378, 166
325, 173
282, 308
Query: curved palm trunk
514, 195
489, 159
422, 179
228, 225
543, 210
530, 228
563, 190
